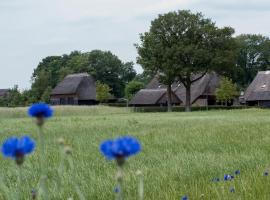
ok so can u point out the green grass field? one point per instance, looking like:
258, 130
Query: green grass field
181, 153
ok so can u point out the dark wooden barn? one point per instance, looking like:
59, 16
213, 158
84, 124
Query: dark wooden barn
202, 92
258, 92
75, 89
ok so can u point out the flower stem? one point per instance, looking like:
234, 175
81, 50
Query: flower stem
119, 183
43, 178
74, 182
20, 182
140, 187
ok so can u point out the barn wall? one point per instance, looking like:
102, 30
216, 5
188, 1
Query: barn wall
64, 100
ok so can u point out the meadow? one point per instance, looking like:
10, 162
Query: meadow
182, 153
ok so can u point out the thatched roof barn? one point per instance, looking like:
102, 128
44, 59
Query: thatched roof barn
4, 93
258, 92
202, 92
75, 89
153, 97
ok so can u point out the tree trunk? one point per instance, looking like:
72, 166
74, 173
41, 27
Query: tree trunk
188, 98
169, 98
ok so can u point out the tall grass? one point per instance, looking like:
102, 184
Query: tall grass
181, 153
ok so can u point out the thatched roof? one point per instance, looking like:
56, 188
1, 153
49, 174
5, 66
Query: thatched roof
259, 89
82, 85
4, 92
153, 97
205, 86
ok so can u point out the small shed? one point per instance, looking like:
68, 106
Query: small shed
75, 89
258, 92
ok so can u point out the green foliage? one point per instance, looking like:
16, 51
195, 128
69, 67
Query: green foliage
102, 65
226, 91
185, 151
46, 95
253, 55
132, 88
182, 44
102, 92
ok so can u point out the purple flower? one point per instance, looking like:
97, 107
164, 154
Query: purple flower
121, 147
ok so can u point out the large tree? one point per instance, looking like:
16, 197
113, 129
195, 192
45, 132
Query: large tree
186, 46
102, 65
253, 55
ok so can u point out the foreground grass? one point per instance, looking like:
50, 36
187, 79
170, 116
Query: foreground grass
182, 152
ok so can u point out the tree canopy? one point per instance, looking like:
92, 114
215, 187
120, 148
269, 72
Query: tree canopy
226, 91
185, 46
102, 65
253, 55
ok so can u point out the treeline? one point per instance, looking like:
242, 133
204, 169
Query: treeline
178, 45
107, 69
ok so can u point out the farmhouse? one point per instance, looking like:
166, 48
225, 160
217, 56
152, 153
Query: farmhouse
202, 92
258, 92
4, 93
75, 89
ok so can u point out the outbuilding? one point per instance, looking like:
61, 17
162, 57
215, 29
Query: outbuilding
75, 89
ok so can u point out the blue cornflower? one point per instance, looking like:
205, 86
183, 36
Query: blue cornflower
40, 110
17, 148
228, 177
120, 148
232, 190
237, 172
184, 197
266, 173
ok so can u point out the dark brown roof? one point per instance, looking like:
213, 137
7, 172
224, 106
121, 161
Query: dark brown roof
205, 86
148, 96
153, 97
259, 89
81, 84
4, 92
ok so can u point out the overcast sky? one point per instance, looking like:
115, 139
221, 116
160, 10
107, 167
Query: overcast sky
34, 29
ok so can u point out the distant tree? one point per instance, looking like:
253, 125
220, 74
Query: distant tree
182, 44
253, 55
132, 88
102, 65
14, 97
144, 77
46, 95
102, 92
226, 91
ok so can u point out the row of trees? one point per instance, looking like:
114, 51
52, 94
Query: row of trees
178, 46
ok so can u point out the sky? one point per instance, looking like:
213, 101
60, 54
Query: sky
30, 30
